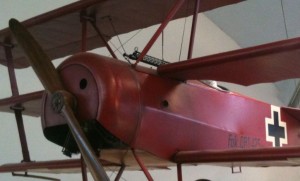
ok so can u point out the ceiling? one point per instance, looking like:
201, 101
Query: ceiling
255, 22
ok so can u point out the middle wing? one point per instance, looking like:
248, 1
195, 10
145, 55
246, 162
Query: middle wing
31, 102
109, 158
260, 64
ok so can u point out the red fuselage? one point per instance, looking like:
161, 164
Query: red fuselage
163, 116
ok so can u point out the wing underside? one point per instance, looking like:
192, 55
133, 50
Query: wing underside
59, 31
111, 159
260, 157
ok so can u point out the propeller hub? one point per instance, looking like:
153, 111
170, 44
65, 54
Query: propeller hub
60, 98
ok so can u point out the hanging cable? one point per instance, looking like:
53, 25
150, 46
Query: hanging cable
284, 20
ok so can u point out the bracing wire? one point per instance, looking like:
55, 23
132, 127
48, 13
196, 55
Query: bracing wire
162, 45
115, 32
295, 98
284, 20
129, 39
183, 32
120, 42
182, 38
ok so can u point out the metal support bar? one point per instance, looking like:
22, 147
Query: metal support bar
144, 169
179, 172
92, 20
34, 176
24, 146
83, 169
83, 31
193, 30
17, 108
119, 175
169, 17
11, 70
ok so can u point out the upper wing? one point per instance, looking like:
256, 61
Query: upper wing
59, 31
264, 63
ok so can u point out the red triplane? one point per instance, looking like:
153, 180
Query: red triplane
118, 113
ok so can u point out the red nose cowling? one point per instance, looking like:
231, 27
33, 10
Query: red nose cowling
107, 102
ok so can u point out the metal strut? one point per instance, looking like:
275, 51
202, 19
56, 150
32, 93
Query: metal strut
92, 21
144, 169
83, 169
179, 172
16, 108
119, 175
34, 176
168, 18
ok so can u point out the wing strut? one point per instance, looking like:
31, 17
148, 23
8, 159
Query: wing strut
144, 169
17, 108
179, 171
26, 175
193, 30
169, 17
92, 21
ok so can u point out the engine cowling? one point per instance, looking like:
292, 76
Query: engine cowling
107, 102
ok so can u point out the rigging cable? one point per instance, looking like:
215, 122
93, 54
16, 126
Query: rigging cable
183, 32
136, 33
162, 45
121, 44
182, 38
284, 19
115, 32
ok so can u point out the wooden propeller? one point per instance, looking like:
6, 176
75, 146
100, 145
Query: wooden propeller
50, 79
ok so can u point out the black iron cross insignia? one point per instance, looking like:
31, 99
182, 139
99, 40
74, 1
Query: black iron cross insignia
276, 131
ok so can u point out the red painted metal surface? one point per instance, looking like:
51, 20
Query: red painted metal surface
106, 90
164, 116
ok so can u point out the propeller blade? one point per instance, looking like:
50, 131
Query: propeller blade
39, 61
50, 79
260, 64
86, 150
